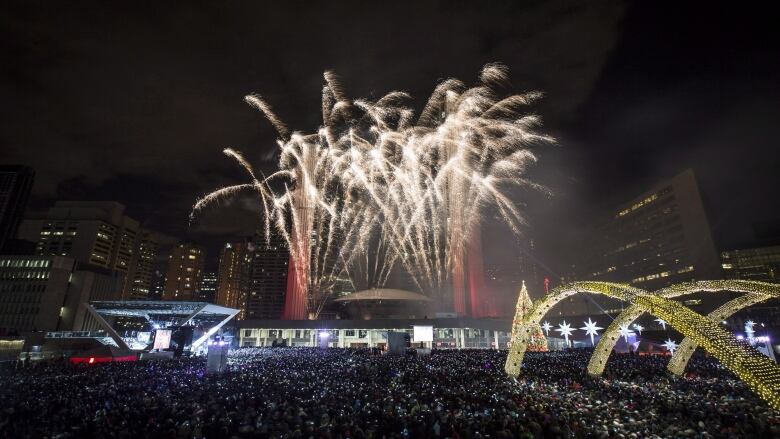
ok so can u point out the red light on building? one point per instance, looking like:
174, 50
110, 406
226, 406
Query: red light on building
106, 359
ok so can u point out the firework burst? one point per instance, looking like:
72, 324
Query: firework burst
374, 188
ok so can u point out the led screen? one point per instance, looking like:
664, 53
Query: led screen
422, 333
162, 339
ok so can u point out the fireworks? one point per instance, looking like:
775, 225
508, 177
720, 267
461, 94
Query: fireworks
374, 189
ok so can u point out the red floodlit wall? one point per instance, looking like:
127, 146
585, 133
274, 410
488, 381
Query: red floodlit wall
482, 301
295, 299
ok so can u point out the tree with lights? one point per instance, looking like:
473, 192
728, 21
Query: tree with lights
537, 342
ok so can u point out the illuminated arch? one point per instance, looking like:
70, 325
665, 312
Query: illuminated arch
610, 337
686, 349
757, 371
521, 329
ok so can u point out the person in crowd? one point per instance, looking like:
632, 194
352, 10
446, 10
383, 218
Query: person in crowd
353, 393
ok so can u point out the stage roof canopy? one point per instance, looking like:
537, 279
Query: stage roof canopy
150, 309
170, 312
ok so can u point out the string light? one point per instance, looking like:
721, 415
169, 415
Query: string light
521, 329
687, 347
757, 371
632, 312
536, 340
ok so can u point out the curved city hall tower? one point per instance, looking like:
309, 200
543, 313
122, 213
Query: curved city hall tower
464, 241
302, 223
481, 302
455, 220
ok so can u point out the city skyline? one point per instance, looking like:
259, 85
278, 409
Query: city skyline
587, 173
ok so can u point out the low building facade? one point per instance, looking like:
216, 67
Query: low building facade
448, 333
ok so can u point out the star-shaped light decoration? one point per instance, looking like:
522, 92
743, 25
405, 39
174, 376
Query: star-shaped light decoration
749, 328
591, 329
661, 322
638, 328
547, 326
565, 329
625, 332
670, 345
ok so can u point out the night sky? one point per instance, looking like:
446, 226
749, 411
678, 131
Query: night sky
134, 102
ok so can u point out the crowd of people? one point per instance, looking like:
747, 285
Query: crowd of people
349, 393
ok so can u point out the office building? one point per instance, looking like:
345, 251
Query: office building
158, 282
46, 293
140, 273
184, 274
94, 233
761, 264
233, 276
97, 234
656, 239
15, 186
448, 333
268, 277
208, 286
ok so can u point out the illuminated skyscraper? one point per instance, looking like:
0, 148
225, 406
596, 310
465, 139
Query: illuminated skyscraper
158, 281
98, 234
208, 286
94, 233
140, 275
268, 278
47, 293
185, 271
657, 239
233, 276
761, 264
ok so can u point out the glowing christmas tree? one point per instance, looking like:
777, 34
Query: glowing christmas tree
538, 342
